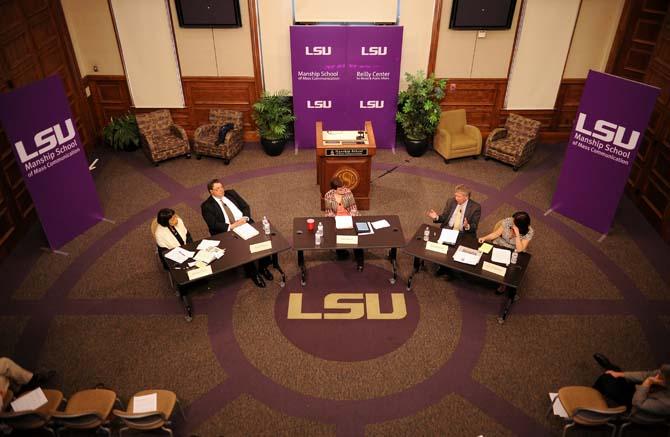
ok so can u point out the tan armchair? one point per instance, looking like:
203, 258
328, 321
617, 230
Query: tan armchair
455, 138
88, 409
161, 138
206, 136
152, 420
515, 142
34, 419
587, 407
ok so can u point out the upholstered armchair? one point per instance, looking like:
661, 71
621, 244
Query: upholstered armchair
206, 136
455, 138
515, 142
161, 138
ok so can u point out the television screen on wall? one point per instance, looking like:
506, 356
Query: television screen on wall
209, 13
482, 14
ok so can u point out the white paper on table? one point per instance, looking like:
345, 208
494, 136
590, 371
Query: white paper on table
439, 248
145, 404
179, 255
245, 231
494, 268
381, 224
259, 247
559, 409
30, 401
501, 256
205, 256
346, 239
204, 244
199, 273
448, 236
192, 263
467, 255
344, 222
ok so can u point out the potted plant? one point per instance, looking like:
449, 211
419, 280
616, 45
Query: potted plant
122, 133
419, 110
273, 115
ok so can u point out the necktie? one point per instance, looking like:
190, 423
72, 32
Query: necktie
458, 218
229, 213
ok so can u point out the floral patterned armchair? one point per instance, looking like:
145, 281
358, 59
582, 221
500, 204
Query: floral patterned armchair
161, 138
206, 136
515, 143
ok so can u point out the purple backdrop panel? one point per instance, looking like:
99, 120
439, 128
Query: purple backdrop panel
47, 148
344, 76
610, 123
374, 74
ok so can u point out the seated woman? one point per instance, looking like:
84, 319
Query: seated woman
170, 232
340, 201
514, 233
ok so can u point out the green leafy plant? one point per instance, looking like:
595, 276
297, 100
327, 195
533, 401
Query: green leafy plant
273, 114
122, 133
419, 106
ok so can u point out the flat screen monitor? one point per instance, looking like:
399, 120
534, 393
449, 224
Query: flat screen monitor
209, 13
482, 14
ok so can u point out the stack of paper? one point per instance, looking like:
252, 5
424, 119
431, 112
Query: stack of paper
30, 401
204, 244
246, 231
501, 256
210, 254
466, 255
145, 404
179, 255
344, 222
381, 224
448, 236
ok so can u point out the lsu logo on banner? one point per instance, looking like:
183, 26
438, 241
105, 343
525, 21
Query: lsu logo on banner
349, 307
371, 104
374, 51
318, 50
608, 132
319, 104
46, 140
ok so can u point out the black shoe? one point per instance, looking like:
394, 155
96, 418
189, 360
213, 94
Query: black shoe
260, 283
267, 274
359, 267
501, 290
605, 363
39, 379
441, 271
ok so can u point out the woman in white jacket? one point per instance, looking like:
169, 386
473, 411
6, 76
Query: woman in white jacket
170, 231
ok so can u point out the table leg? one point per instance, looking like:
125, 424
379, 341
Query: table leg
417, 266
393, 254
511, 298
187, 304
303, 270
275, 264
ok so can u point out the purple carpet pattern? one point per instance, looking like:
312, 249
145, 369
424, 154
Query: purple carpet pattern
463, 372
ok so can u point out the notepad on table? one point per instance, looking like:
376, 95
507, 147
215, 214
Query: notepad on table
344, 222
467, 255
179, 255
205, 244
448, 236
485, 248
501, 256
381, 224
246, 231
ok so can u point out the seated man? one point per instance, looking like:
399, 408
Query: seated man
223, 211
460, 213
645, 391
13, 374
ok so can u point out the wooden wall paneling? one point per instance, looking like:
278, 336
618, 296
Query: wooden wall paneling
434, 37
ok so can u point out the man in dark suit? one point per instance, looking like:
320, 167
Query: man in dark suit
223, 211
461, 213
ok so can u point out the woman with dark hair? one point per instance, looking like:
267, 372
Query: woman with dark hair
340, 201
515, 232
170, 230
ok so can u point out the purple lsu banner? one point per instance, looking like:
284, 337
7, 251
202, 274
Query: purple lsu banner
343, 76
610, 123
40, 127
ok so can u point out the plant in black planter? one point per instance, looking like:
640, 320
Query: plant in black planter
122, 133
419, 110
273, 115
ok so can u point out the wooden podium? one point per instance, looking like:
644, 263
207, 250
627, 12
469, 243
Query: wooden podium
349, 159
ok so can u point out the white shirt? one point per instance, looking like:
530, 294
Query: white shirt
165, 238
237, 214
451, 219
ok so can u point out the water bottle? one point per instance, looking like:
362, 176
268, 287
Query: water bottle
266, 225
317, 238
515, 256
319, 229
426, 234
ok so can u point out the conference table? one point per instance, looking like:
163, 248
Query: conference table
237, 254
390, 237
514, 273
